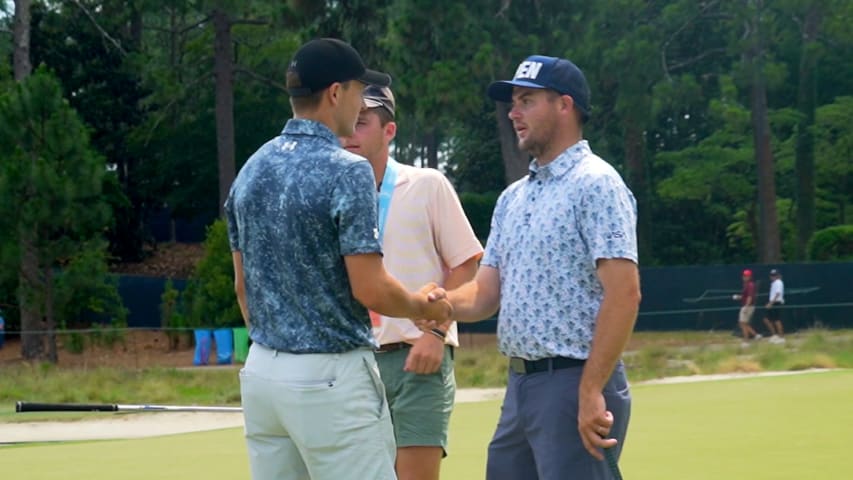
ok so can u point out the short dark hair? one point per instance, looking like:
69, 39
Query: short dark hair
581, 115
384, 115
309, 103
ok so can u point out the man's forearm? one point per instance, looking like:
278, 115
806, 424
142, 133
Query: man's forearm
244, 309
462, 274
377, 290
613, 328
240, 285
458, 277
390, 298
478, 299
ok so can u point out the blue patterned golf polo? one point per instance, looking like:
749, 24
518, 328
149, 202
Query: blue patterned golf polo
297, 207
548, 230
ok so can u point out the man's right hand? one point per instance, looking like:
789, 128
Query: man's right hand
440, 311
436, 309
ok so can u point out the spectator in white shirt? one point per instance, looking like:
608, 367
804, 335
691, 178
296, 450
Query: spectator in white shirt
773, 314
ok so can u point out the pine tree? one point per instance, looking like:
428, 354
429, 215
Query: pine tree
50, 205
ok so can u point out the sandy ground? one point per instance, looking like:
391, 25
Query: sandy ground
139, 425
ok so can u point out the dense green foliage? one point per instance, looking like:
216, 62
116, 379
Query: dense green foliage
671, 105
209, 298
670, 96
833, 243
478, 207
175, 96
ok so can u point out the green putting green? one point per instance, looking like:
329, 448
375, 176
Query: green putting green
787, 427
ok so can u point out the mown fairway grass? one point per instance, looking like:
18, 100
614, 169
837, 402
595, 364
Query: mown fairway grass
779, 428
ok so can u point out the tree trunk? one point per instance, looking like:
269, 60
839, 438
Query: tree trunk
806, 93
136, 26
769, 250
29, 288
30, 282
21, 38
431, 144
515, 161
752, 222
635, 146
49, 316
223, 69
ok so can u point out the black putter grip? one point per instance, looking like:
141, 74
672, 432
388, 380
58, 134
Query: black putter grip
610, 458
22, 407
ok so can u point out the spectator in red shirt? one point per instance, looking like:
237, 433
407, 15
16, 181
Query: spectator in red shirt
747, 301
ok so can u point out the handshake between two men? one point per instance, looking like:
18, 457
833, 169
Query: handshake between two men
434, 317
437, 310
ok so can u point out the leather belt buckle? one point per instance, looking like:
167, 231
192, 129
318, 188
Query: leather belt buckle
392, 347
524, 367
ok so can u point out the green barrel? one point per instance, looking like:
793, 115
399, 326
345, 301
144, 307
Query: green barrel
241, 344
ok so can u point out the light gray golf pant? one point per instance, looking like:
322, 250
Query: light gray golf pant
316, 416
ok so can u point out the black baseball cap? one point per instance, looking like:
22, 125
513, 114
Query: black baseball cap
539, 71
324, 61
380, 97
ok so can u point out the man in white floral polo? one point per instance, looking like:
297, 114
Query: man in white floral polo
561, 264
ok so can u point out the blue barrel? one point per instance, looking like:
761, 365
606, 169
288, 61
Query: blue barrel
202, 346
224, 345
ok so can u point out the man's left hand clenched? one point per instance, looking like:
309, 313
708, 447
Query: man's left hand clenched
425, 355
594, 424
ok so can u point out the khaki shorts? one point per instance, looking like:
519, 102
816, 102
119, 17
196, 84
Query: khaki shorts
420, 404
316, 416
746, 312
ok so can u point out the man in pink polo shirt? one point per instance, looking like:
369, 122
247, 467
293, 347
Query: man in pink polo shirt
425, 237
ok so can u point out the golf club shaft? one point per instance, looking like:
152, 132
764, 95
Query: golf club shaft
22, 407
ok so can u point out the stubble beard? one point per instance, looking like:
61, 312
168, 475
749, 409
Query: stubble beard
538, 146
532, 146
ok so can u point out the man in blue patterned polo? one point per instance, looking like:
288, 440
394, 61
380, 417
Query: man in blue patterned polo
307, 261
561, 263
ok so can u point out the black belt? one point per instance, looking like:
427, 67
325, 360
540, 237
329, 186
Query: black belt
523, 367
393, 347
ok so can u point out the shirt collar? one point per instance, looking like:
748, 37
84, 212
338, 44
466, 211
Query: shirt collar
562, 164
303, 126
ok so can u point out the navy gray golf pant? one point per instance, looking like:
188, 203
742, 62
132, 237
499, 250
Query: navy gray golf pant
537, 435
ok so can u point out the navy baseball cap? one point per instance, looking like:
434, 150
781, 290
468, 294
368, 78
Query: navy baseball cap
538, 71
324, 61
